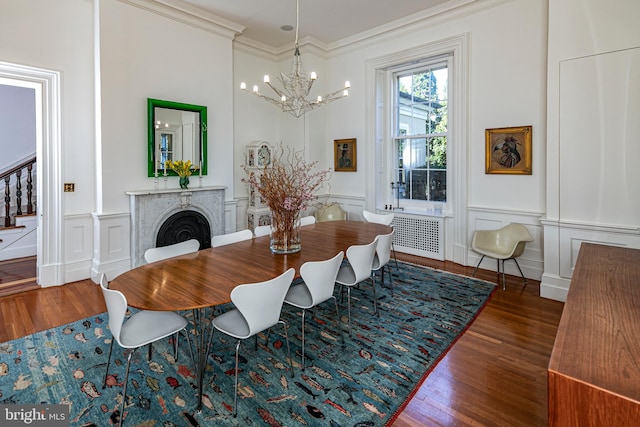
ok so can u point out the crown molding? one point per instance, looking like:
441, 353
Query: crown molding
307, 45
188, 14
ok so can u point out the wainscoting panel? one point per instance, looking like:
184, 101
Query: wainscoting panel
78, 247
572, 237
562, 245
19, 241
111, 234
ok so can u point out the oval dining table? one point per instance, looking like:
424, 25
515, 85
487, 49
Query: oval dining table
206, 278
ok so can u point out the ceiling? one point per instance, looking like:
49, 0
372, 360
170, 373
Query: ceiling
326, 20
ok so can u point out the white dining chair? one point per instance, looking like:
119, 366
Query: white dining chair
357, 270
319, 281
258, 308
382, 257
262, 230
177, 249
307, 220
226, 239
142, 328
384, 219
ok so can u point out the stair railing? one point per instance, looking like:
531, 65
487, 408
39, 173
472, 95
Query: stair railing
6, 176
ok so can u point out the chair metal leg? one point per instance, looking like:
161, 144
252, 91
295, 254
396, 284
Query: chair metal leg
393, 250
286, 337
338, 322
390, 278
175, 347
235, 390
124, 390
504, 280
479, 262
519, 269
349, 306
193, 360
266, 340
375, 299
303, 313
106, 372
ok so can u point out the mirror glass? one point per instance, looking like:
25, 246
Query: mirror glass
176, 131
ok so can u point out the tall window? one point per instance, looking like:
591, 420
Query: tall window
420, 133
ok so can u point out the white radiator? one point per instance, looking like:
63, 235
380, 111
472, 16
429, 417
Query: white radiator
419, 235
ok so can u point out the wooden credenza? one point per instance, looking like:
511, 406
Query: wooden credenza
594, 370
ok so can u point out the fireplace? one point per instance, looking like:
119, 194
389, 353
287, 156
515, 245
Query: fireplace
163, 217
183, 226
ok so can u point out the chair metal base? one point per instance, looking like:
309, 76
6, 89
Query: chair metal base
393, 251
375, 298
126, 376
338, 323
235, 394
504, 281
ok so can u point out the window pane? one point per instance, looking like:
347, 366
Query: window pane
438, 152
420, 146
438, 186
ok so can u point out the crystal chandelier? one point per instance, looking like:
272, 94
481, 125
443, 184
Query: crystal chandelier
294, 98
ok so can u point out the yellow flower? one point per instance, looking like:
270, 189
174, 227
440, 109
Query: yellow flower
180, 167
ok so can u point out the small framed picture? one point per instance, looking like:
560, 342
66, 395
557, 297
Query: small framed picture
345, 159
508, 150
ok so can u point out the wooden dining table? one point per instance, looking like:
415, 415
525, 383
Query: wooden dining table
206, 278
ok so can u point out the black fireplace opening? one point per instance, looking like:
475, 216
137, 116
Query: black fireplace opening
183, 226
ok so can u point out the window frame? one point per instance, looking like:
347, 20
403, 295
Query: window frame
432, 62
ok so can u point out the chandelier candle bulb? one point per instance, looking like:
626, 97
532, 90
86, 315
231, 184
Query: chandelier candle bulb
266, 78
255, 88
243, 86
347, 84
313, 75
319, 98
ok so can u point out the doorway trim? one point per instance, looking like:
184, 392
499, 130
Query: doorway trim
46, 83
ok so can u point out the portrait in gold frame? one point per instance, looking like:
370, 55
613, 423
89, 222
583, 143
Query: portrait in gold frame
508, 150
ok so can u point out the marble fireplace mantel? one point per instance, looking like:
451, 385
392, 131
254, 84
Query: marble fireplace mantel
151, 208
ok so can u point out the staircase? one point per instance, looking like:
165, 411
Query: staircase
18, 226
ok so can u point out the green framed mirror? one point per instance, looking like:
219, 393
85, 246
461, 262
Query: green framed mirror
176, 131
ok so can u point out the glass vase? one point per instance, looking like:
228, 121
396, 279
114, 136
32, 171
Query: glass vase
184, 182
285, 231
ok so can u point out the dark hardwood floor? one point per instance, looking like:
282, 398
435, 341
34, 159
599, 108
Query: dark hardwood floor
494, 375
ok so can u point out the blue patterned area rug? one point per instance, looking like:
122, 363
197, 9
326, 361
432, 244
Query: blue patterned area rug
366, 382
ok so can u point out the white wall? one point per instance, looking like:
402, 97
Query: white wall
592, 144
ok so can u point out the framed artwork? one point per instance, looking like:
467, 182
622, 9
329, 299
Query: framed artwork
508, 150
345, 159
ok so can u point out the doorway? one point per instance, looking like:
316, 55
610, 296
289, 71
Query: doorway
46, 86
